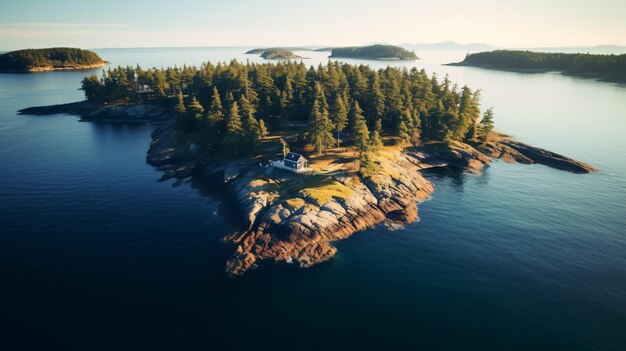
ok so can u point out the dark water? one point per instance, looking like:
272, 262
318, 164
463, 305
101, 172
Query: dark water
95, 253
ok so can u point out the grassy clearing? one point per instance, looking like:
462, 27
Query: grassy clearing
321, 189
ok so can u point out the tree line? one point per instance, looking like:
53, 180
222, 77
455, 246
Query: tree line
374, 52
230, 106
612, 65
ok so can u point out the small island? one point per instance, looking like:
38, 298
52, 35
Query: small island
262, 50
605, 67
304, 156
279, 54
374, 52
52, 59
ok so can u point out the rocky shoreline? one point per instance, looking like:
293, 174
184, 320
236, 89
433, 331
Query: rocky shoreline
287, 218
95, 112
282, 219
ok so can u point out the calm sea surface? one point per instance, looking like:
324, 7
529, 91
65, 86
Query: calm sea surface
95, 253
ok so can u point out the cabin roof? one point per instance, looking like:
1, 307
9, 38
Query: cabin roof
292, 156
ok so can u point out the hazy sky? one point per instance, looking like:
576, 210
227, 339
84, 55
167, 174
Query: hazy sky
143, 23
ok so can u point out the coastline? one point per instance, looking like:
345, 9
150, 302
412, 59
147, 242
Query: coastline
602, 77
375, 58
287, 218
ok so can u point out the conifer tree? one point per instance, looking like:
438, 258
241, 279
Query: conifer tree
194, 109
245, 106
486, 124
263, 129
216, 114
233, 126
339, 116
321, 127
251, 129
180, 108
367, 166
376, 143
320, 130
376, 99
359, 127
403, 131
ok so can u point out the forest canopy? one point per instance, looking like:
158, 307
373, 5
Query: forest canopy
610, 66
376, 52
231, 106
53, 57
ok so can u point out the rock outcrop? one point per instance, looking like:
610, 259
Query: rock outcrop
471, 158
95, 112
291, 218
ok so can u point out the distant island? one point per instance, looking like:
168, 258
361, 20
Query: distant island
279, 54
605, 67
43, 60
304, 156
374, 52
262, 50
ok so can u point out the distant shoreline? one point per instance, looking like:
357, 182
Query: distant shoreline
610, 68
375, 58
602, 77
51, 68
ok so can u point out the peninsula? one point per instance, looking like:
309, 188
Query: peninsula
374, 52
52, 59
303, 156
605, 67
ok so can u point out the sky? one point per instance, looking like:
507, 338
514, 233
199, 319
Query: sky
156, 23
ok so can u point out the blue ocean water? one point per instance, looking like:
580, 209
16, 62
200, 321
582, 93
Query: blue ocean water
96, 253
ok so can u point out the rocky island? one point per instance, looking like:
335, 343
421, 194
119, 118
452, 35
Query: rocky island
374, 52
604, 67
279, 54
356, 166
52, 59
258, 51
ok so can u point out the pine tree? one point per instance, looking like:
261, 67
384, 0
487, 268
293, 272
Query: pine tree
286, 96
359, 127
406, 126
486, 124
194, 109
233, 126
251, 129
403, 132
263, 129
367, 166
245, 106
469, 113
340, 116
216, 111
377, 99
180, 108
230, 99
376, 143
320, 131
